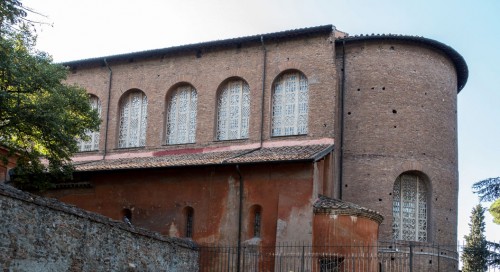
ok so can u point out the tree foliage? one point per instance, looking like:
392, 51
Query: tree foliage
488, 189
41, 117
495, 211
494, 257
476, 254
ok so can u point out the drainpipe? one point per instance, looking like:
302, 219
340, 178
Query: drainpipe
240, 217
264, 62
261, 140
342, 98
107, 110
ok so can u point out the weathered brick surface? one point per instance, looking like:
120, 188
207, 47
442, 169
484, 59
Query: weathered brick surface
157, 76
42, 234
400, 115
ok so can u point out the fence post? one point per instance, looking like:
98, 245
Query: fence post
302, 262
439, 259
411, 257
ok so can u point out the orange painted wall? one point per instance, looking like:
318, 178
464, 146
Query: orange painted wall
347, 237
158, 197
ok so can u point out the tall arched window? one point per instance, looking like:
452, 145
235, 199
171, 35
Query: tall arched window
133, 120
233, 111
93, 142
189, 214
409, 208
255, 223
290, 104
181, 115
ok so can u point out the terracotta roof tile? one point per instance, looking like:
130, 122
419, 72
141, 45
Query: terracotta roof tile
272, 154
336, 206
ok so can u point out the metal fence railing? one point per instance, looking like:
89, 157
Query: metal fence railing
286, 257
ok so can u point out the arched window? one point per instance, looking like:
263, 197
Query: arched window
255, 220
233, 111
133, 120
290, 105
93, 142
181, 115
409, 208
189, 214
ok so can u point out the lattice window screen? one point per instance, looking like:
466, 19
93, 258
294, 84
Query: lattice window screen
290, 105
133, 120
93, 143
233, 111
409, 209
181, 116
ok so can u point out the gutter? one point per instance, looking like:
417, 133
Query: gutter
107, 109
341, 140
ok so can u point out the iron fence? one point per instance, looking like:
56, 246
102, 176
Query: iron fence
288, 257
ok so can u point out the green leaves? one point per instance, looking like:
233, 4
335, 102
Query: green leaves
495, 211
488, 189
40, 116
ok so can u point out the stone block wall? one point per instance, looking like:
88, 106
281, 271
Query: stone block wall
42, 234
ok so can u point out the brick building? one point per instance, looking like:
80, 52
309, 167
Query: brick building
256, 139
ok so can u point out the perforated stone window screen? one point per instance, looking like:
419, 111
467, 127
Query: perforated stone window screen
133, 120
181, 116
290, 105
93, 143
409, 208
233, 113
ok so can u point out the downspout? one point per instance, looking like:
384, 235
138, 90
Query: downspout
264, 62
107, 110
261, 140
342, 99
240, 218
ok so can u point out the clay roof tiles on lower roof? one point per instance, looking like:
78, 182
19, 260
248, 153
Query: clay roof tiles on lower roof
271, 154
334, 206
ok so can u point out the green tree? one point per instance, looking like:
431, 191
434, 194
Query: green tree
41, 117
488, 189
475, 254
495, 211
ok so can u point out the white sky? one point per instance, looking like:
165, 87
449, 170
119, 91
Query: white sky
95, 28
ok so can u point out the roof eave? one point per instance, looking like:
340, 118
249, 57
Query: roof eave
457, 59
324, 29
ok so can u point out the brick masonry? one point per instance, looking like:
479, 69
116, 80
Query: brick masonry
400, 116
42, 234
399, 98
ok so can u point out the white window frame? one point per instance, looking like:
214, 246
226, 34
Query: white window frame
133, 120
290, 105
182, 116
233, 111
410, 197
93, 143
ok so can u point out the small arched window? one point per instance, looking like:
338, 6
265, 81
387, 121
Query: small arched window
133, 119
255, 221
233, 113
93, 142
181, 115
409, 208
290, 105
189, 214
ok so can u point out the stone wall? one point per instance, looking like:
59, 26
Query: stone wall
42, 234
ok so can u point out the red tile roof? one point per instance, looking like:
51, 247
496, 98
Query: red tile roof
339, 207
271, 154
